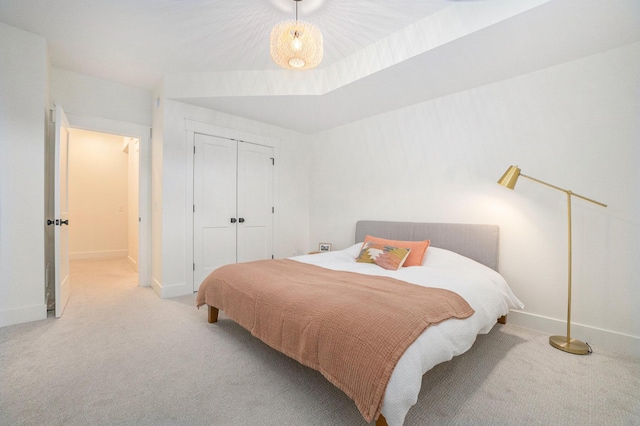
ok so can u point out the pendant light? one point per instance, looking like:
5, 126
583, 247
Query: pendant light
296, 44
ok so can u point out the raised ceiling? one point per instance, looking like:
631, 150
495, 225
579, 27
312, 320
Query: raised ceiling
380, 55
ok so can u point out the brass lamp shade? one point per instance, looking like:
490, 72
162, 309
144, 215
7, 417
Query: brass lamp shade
510, 177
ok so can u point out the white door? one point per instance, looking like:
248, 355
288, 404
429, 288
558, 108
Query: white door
233, 204
214, 210
61, 211
255, 202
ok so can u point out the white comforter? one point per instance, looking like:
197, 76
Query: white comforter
483, 288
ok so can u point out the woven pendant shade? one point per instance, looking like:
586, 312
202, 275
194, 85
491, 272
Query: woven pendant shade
296, 45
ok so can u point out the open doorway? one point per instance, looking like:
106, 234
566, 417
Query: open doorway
103, 193
110, 127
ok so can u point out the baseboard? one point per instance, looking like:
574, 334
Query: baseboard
24, 314
108, 254
132, 263
156, 286
596, 337
169, 291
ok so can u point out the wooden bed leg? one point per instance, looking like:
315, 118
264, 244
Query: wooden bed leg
381, 421
213, 314
502, 319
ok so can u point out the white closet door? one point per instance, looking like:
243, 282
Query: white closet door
255, 202
215, 188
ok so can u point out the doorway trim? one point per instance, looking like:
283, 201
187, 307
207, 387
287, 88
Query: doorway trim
143, 134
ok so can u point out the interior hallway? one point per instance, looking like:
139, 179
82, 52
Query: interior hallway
91, 275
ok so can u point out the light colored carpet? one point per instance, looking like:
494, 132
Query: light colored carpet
122, 356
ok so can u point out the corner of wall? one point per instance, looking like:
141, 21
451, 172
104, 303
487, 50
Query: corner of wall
597, 338
169, 291
23, 314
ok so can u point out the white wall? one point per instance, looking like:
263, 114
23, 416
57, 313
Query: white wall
23, 96
171, 168
98, 195
80, 94
575, 125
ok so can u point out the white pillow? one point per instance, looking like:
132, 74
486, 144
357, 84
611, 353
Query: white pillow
436, 255
354, 250
441, 258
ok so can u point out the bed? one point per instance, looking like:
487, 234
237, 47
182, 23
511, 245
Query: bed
461, 259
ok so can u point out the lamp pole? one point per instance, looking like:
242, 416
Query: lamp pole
570, 268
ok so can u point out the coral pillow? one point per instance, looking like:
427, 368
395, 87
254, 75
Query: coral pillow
386, 257
418, 248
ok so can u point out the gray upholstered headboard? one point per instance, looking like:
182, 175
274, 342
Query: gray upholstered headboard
478, 242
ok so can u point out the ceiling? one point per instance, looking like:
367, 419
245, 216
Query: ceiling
380, 55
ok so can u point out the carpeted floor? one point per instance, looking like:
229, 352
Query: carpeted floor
122, 356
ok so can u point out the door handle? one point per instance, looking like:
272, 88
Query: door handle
50, 222
64, 222
233, 220
241, 220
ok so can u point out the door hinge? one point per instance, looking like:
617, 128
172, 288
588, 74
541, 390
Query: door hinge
194, 149
273, 161
194, 208
151, 133
272, 257
194, 266
273, 209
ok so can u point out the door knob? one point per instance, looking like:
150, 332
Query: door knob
64, 222
241, 220
233, 220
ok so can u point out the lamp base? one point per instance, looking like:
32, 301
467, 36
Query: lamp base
573, 346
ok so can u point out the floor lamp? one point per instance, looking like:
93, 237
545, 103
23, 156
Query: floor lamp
564, 343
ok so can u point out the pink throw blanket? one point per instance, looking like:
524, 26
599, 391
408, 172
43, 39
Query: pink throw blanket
352, 328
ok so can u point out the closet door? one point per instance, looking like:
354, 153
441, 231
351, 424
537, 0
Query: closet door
255, 202
214, 215
232, 204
